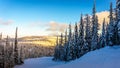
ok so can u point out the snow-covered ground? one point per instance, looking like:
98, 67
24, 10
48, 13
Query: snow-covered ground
108, 57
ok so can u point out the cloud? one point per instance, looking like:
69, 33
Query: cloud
56, 28
37, 24
102, 15
8, 22
52, 28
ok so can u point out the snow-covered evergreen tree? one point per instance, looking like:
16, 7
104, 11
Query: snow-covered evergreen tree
76, 45
103, 37
61, 48
95, 28
5, 52
66, 37
1, 54
107, 34
73, 47
12, 55
94, 43
21, 54
93, 18
1, 36
16, 48
110, 27
69, 50
66, 46
88, 33
56, 50
81, 37
118, 8
117, 34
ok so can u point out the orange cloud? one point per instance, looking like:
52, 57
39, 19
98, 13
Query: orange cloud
102, 15
56, 28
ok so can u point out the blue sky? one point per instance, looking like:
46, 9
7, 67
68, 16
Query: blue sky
32, 16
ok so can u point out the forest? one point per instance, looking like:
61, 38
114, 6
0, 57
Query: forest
85, 37
71, 45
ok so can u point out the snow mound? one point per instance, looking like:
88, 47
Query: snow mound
108, 57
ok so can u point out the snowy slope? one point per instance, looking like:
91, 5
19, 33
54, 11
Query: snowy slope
43, 62
108, 57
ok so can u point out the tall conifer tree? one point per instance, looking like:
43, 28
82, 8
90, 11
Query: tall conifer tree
81, 37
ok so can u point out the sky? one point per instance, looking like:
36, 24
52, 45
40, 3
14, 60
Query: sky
44, 17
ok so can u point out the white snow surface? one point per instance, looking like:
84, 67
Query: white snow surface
108, 57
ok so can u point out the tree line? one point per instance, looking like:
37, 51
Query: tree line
13, 51
10, 53
85, 37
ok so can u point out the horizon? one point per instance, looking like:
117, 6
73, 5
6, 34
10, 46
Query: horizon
45, 17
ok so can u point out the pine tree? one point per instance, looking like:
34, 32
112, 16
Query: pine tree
95, 28
69, 50
66, 46
118, 30
1, 36
93, 18
73, 49
117, 26
95, 38
4, 56
56, 53
12, 55
66, 36
21, 54
70, 32
111, 26
7, 56
16, 58
88, 33
61, 48
107, 34
76, 45
103, 37
118, 9
16, 54
81, 37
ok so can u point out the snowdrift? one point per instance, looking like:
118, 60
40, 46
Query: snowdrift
108, 57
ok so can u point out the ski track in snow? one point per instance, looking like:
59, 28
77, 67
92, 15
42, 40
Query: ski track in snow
108, 57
